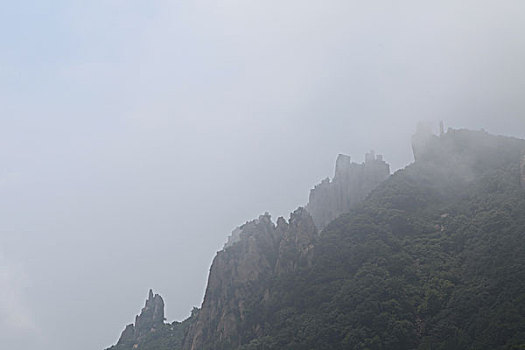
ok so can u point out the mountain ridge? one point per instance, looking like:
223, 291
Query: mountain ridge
273, 280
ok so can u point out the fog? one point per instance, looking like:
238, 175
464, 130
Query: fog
134, 136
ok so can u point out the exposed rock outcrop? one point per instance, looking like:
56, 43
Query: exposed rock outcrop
257, 251
424, 140
351, 184
151, 317
297, 241
261, 259
260, 250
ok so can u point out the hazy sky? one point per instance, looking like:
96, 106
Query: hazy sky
135, 135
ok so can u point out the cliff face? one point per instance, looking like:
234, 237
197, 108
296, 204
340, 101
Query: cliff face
239, 274
351, 184
256, 253
151, 318
260, 251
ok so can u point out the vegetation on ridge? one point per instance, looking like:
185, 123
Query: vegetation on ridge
433, 259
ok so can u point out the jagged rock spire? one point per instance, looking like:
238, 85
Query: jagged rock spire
351, 184
151, 317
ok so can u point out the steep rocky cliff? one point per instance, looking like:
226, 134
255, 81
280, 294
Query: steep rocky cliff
150, 320
351, 184
260, 251
256, 254
240, 274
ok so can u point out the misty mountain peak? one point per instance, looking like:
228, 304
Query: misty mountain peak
150, 318
411, 256
351, 184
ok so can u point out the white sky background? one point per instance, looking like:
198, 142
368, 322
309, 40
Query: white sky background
134, 136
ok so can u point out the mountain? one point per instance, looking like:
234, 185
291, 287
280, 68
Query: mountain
149, 321
432, 257
351, 184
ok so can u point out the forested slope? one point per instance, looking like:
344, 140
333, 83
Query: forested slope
434, 258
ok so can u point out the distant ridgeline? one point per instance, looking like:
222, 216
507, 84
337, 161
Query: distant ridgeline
351, 184
432, 257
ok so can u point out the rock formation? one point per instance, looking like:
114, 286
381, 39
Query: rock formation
351, 184
255, 254
297, 241
467, 152
151, 317
261, 259
257, 251
260, 250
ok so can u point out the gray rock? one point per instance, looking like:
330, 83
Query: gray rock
351, 184
260, 250
151, 317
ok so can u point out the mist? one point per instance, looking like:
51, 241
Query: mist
136, 136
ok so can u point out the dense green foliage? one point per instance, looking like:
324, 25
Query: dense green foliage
434, 259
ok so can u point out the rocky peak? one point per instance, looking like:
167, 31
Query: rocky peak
423, 140
297, 241
342, 165
150, 318
152, 314
260, 250
351, 184
256, 252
